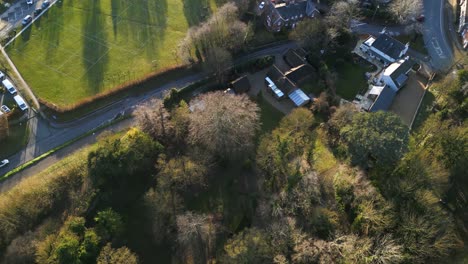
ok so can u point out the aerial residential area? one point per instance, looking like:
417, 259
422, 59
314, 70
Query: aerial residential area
242, 131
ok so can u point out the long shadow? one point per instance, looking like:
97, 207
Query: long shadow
26, 35
148, 22
196, 11
95, 50
53, 17
116, 8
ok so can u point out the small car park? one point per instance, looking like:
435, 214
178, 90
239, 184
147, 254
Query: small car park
26, 20
21, 103
4, 162
5, 109
9, 86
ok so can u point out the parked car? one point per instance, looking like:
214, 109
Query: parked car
45, 4
9, 86
261, 5
5, 109
26, 20
29, 2
4, 162
37, 11
2, 75
20, 102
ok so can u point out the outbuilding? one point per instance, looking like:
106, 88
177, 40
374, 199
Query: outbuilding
299, 98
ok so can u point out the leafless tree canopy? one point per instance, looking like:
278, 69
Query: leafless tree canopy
341, 13
223, 30
224, 124
154, 119
406, 11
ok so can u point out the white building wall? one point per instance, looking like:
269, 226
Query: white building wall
388, 81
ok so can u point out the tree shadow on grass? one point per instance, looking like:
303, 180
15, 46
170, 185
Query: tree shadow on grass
95, 49
196, 11
26, 34
148, 24
54, 19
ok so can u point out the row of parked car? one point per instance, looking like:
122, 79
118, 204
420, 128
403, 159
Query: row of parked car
27, 19
12, 90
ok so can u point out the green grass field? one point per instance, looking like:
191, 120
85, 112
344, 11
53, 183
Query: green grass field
80, 48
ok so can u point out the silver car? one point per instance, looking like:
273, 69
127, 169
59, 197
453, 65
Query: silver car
5, 109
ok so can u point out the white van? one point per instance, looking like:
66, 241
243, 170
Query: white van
9, 86
20, 102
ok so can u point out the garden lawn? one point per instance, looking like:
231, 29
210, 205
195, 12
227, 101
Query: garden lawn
80, 48
351, 80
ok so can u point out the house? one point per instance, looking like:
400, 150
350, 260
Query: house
279, 85
300, 74
463, 21
396, 74
384, 48
295, 57
287, 14
241, 85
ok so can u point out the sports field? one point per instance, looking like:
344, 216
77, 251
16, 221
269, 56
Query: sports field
80, 48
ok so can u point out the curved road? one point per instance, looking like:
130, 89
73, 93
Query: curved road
48, 137
435, 35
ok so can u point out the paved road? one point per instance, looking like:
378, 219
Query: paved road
435, 37
49, 136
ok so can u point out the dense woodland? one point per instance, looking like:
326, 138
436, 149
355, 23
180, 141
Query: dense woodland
201, 182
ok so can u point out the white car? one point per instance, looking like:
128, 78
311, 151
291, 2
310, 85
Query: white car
2, 75
4, 162
5, 109
261, 5
29, 2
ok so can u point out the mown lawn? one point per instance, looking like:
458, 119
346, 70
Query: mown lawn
351, 79
80, 48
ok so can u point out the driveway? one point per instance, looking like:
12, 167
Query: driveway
435, 37
407, 100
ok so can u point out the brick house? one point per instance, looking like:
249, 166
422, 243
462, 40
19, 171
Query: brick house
279, 15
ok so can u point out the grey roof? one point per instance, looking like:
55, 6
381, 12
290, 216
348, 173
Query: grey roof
293, 58
384, 100
301, 73
399, 75
388, 45
241, 84
292, 10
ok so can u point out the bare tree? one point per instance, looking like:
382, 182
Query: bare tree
223, 29
342, 13
218, 61
154, 119
406, 11
196, 237
4, 129
224, 124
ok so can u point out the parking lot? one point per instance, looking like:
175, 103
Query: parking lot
13, 16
